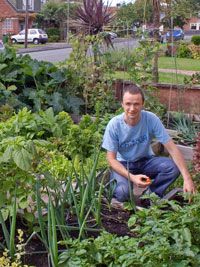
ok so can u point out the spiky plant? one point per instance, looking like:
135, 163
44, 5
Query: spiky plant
93, 16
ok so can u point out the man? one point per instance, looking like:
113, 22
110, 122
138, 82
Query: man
127, 140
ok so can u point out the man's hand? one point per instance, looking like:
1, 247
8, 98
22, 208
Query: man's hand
140, 180
188, 186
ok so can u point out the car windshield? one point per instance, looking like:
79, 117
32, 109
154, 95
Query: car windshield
41, 31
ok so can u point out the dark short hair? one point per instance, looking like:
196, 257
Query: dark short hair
134, 90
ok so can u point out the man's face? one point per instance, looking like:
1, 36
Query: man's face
132, 105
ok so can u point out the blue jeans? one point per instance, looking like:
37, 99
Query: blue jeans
161, 170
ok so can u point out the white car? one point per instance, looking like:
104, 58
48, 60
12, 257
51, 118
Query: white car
35, 36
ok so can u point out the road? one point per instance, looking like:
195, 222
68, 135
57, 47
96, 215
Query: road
58, 55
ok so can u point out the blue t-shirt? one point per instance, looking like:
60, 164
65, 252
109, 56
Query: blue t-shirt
134, 142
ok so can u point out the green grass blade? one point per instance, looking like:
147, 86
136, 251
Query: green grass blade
5, 231
13, 228
40, 217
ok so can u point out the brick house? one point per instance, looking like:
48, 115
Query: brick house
193, 24
13, 12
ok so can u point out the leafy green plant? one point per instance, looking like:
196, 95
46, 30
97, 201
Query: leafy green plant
183, 51
35, 84
187, 131
195, 39
164, 234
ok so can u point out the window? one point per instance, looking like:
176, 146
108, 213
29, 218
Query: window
193, 26
33, 32
30, 5
8, 24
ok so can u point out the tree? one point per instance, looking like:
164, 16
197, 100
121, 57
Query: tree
55, 14
179, 12
142, 11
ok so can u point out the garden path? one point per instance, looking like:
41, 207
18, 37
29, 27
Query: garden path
185, 72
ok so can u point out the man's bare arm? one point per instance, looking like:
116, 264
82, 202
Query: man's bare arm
180, 162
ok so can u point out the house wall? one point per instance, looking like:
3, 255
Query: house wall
7, 12
192, 22
16, 17
175, 98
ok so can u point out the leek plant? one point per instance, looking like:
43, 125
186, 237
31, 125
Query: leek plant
80, 196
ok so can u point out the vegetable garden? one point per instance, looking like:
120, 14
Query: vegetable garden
55, 197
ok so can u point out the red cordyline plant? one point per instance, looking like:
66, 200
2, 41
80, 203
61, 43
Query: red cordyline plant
196, 159
93, 16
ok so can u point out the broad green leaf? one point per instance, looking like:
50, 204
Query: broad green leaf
5, 213
3, 66
11, 88
132, 221
22, 159
7, 154
2, 86
29, 217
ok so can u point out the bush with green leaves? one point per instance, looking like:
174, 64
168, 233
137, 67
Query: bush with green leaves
183, 51
36, 84
53, 34
195, 39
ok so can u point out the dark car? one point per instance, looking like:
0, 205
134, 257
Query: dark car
2, 47
175, 35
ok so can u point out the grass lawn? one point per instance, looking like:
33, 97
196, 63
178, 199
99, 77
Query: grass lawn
182, 63
163, 77
171, 78
30, 45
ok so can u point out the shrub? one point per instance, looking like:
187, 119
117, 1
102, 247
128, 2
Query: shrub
183, 51
196, 39
53, 38
195, 50
53, 31
53, 34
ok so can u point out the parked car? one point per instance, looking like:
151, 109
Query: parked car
2, 47
35, 36
175, 35
149, 34
112, 35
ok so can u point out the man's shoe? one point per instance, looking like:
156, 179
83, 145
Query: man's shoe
117, 204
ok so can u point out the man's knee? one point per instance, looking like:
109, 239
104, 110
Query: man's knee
170, 167
121, 192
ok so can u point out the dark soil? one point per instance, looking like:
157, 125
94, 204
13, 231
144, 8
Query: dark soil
113, 220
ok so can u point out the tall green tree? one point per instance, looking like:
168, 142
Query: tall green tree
55, 14
178, 12
143, 12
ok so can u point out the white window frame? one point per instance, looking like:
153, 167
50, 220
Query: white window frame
193, 24
7, 24
30, 4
